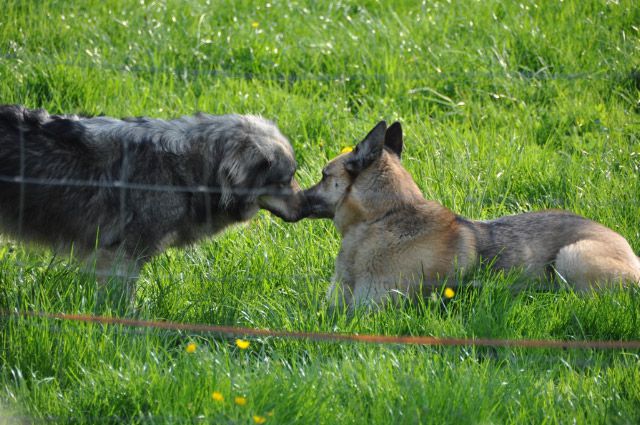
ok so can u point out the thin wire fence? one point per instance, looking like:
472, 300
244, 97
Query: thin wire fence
140, 328
118, 184
137, 327
581, 357
123, 184
542, 74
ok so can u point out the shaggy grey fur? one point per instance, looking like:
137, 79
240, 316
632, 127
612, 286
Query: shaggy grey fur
127, 189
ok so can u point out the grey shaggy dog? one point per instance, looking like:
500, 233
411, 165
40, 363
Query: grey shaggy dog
118, 191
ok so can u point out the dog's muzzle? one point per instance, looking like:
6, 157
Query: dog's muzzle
290, 204
314, 205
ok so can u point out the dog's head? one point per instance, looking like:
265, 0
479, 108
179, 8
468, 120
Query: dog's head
356, 184
257, 167
352, 170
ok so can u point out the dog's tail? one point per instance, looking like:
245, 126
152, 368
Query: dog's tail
13, 116
15, 120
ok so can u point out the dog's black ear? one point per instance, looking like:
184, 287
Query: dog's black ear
368, 150
393, 138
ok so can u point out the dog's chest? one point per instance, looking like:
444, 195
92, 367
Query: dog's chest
344, 266
355, 251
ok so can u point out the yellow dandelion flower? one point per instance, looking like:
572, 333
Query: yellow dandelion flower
191, 347
259, 419
240, 401
255, 24
270, 413
217, 396
449, 293
242, 344
346, 149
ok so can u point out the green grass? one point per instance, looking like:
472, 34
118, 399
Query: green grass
506, 107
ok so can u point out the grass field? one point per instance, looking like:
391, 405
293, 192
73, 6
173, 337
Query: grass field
507, 107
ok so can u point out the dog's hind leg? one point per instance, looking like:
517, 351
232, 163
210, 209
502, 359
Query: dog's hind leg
591, 263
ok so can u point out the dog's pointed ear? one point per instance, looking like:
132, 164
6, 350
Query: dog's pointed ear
393, 138
368, 150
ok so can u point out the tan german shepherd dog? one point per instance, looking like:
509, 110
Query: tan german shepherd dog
396, 243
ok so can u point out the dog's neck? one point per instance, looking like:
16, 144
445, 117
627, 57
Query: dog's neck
375, 193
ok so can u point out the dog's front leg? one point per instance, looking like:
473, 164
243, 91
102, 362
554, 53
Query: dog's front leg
116, 275
375, 294
368, 295
339, 295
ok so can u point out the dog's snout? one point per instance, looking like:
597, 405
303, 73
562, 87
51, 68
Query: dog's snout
288, 202
298, 204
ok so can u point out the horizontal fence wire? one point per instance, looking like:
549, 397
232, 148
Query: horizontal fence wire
119, 184
225, 278
137, 327
543, 74
585, 360
238, 331
251, 191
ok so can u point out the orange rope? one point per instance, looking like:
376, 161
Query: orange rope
337, 337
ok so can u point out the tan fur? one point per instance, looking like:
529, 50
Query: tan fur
592, 262
375, 262
396, 244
